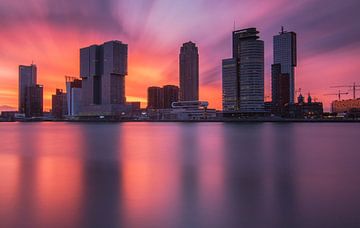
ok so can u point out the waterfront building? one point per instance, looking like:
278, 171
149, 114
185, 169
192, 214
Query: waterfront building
59, 104
155, 98
103, 69
27, 78
73, 95
304, 110
230, 85
285, 62
189, 110
162, 98
170, 94
243, 74
345, 106
34, 101
280, 89
189, 72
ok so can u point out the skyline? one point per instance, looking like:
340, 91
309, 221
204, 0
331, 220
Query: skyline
155, 31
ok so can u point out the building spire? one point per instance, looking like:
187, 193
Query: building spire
282, 30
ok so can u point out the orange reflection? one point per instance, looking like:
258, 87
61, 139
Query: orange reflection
58, 190
9, 181
211, 164
149, 180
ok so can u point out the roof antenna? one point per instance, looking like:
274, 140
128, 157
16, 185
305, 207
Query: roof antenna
234, 26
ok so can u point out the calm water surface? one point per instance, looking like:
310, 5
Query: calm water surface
179, 175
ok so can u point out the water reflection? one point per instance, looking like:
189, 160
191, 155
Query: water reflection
178, 175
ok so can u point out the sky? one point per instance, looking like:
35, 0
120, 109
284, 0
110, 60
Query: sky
51, 32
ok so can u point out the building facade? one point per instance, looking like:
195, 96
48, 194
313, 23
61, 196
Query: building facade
230, 85
285, 56
243, 74
345, 106
73, 95
34, 101
103, 69
171, 94
155, 98
27, 78
189, 72
59, 104
280, 89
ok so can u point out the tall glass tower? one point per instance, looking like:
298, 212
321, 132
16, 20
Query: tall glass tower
285, 55
27, 78
243, 74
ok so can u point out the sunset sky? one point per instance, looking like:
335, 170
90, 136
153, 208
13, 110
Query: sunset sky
50, 33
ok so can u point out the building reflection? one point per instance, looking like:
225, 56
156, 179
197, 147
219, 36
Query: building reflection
284, 174
101, 176
245, 176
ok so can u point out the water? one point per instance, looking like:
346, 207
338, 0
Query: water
179, 175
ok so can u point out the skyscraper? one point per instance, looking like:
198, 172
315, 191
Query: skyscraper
285, 54
27, 77
30, 93
189, 72
243, 74
171, 94
155, 98
103, 69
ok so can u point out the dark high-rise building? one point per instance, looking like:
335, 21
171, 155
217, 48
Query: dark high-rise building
230, 85
171, 94
285, 54
59, 104
280, 89
27, 78
243, 74
34, 101
155, 98
189, 72
103, 69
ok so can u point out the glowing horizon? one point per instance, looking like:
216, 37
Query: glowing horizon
51, 32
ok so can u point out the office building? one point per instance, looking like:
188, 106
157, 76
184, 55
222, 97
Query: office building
230, 85
155, 98
27, 78
189, 72
30, 93
73, 95
285, 62
59, 104
103, 69
170, 94
162, 98
280, 89
243, 74
34, 101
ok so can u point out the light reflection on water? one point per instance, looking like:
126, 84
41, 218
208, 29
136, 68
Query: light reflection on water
179, 175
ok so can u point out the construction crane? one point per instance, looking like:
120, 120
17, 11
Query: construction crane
352, 87
337, 94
